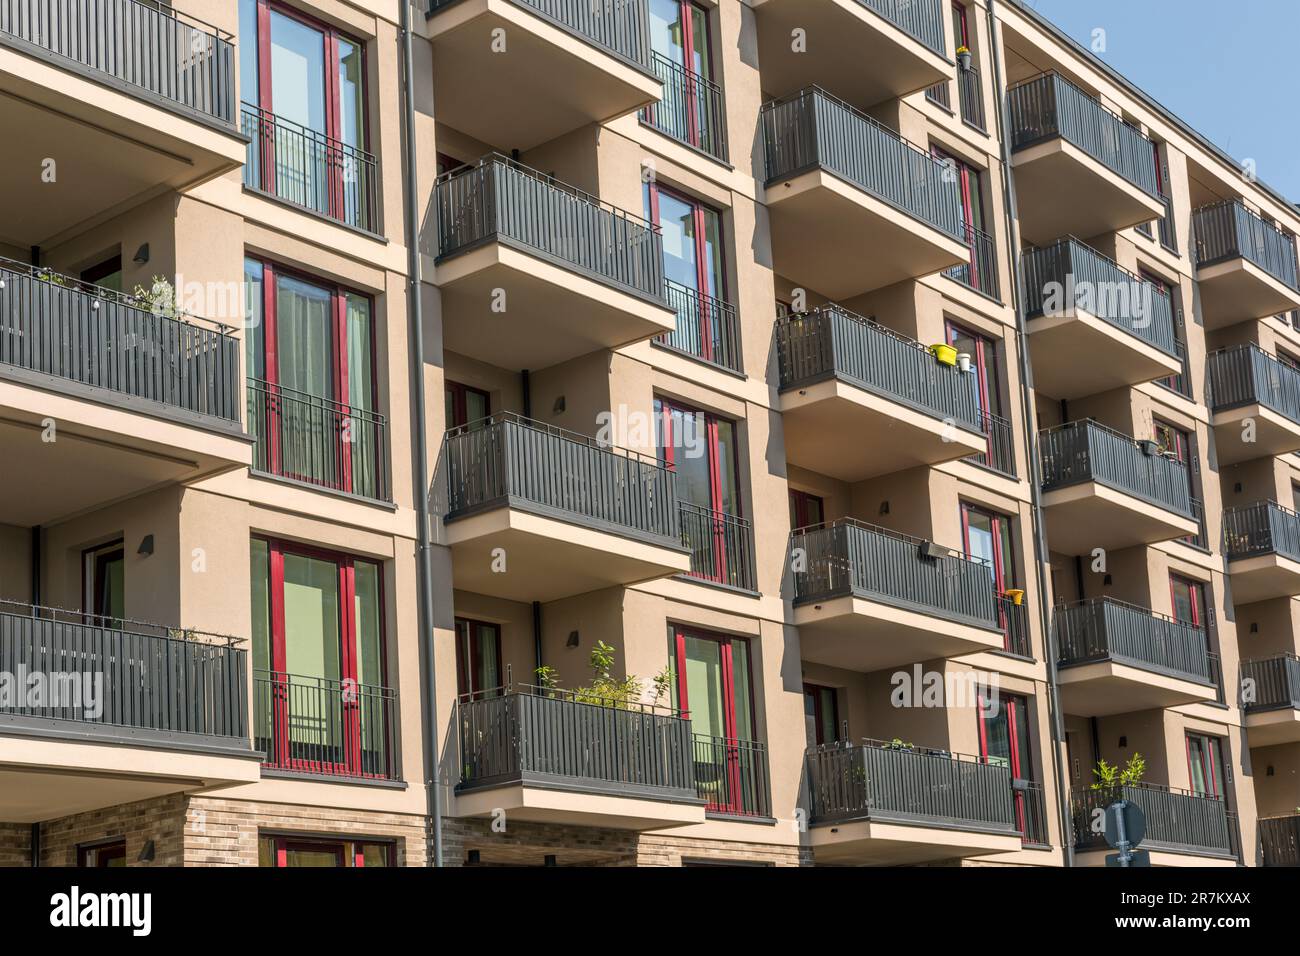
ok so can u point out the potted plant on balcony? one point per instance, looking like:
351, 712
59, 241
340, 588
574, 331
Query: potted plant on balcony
605, 690
1111, 777
963, 58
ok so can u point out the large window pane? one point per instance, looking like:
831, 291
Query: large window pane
248, 46
304, 336
298, 72
254, 321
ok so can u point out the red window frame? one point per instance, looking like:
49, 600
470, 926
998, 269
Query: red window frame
458, 394
1182, 450
961, 24
1017, 711
704, 277
467, 671
1213, 750
1196, 598
1003, 577
689, 11
972, 200
985, 364
348, 853
281, 742
801, 505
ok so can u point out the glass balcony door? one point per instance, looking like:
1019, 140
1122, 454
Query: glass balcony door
1004, 742
712, 675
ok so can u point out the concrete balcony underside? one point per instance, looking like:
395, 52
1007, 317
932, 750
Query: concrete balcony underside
1238, 290
1159, 857
1090, 515
1102, 688
550, 801
1115, 358
1253, 431
885, 843
1271, 728
1263, 577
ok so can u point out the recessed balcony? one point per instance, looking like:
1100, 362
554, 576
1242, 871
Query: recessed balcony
1254, 402
1093, 326
1080, 169
127, 711
1245, 267
866, 51
536, 513
884, 804
1270, 692
842, 375
1180, 825
518, 73
534, 273
1117, 658
108, 102
1103, 489
93, 382
1279, 838
1262, 544
866, 598
853, 206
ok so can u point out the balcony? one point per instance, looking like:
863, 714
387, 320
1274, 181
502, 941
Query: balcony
305, 168
139, 397
707, 328
731, 777
1254, 402
1080, 169
1079, 304
128, 98
888, 804
320, 727
841, 374
1117, 658
980, 271
536, 513
866, 51
866, 598
565, 65
1179, 824
1270, 696
721, 546
1280, 839
534, 272
693, 109
853, 205
551, 756
129, 711
318, 442
1103, 489
1245, 267
1262, 545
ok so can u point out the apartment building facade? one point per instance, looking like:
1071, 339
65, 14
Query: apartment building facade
831, 428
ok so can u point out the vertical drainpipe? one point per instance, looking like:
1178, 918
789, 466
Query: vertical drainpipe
1031, 445
424, 567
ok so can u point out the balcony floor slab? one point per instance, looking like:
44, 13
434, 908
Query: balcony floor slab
1076, 354
1109, 687
1274, 434
1269, 728
1238, 290
1092, 515
876, 843
554, 804
1263, 577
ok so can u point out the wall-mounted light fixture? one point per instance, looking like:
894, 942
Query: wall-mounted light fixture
146, 546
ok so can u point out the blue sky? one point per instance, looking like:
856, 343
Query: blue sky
1223, 66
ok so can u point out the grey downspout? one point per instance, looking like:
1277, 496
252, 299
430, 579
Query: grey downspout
423, 542
1031, 445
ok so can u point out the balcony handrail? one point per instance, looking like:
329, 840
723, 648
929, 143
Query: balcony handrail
898, 745
1277, 682
572, 695
687, 92
1086, 450
332, 143
696, 309
1263, 527
1224, 222
887, 533
815, 90
1130, 606
556, 431
1103, 628
127, 625
323, 401
922, 20
686, 72
1245, 374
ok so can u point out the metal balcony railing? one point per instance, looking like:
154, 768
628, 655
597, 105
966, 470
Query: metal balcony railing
318, 441
1270, 683
1280, 839
920, 19
707, 328
1264, 527
1165, 225
732, 776
850, 558
693, 109
1103, 629
1176, 820
970, 94
145, 47
1031, 813
309, 169
1014, 619
1070, 274
556, 738
814, 130
831, 342
1001, 453
59, 327
981, 272
498, 200
1247, 375
1228, 230
147, 682
1086, 451
325, 726
1180, 382
1049, 105
901, 783
511, 461
721, 547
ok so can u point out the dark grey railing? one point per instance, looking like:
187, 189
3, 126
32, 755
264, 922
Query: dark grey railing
1103, 629
1165, 224
1271, 683
318, 440
1247, 375
851, 558
981, 272
1014, 619
1049, 106
145, 682
939, 94
511, 461
1088, 451
323, 726
1264, 527
305, 167
721, 547
731, 775
831, 342
175, 58
920, 19
707, 328
1280, 839
901, 783
1031, 813
1069, 273
812, 130
620, 27
1179, 382
1001, 453
970, 94
692, 110
55, 325
1177, 820
497, 200
1228, 230
556, 738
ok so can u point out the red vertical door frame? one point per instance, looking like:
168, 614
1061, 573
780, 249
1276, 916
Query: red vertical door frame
265, 101
344, 426
717, 530
688, 13
1017, 772
279, 670
731, 799
271, 348
995, 542
963, 26
981, 363
333, 125
350, 691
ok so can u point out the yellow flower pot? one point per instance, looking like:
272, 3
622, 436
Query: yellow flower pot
944, 354
1017, 596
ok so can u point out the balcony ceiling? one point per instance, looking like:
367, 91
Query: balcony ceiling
1108, 687
1264, 577
873, 843
552, 804
1092, 515
1238, 290
1274, 434
1270, 728
1117, 359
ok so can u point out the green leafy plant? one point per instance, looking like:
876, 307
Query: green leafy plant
898, 744
1109, 776
159, 298
604, 689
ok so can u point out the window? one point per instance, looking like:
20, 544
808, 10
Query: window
1205, 765
105, 275
321, 704
690, 110
110, 853
286, 851
466, 404
986, 536
1182, 381
1177, 444
821, 715
104, 576
1004, 742
806, 510
1295, 497
986, 384
693, 269
478, 656
1188, 600
978, 272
